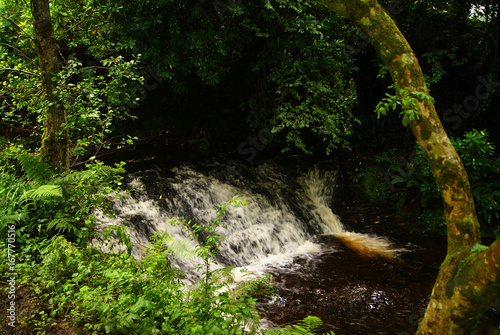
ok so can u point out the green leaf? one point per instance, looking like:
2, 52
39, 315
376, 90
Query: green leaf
42, 192
478, 248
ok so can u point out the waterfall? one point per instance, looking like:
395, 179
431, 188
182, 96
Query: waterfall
289, 203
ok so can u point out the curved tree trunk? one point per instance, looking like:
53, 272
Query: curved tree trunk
469, 278
55, 139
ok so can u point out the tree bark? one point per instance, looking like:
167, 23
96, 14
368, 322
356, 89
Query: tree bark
55, 138
469, 278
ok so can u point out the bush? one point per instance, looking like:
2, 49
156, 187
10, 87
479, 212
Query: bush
370, 180
48, 204
114, 293
483, 169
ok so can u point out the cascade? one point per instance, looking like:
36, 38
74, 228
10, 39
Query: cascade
289, 203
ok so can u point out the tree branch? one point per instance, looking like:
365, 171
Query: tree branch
22, 53
22, 71
32, 130
95, 67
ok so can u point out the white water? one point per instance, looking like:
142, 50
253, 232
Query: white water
286, 209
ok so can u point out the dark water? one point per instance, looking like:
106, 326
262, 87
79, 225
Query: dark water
294, 201
356, 295
370, 296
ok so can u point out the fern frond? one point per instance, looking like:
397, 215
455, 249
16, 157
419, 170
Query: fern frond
5, 179
62, 226
105, 171
13, 218
14, 192
10, 187
308, 326
178, 248
42, 192
35, 170
182, 249
311, 323
253, 321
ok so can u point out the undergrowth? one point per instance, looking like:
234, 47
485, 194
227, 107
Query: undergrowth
411, 179
70, 281
309, 326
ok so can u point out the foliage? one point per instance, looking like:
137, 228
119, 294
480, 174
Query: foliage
207, 247
97, 102
42, 192
9, 151
432, 221
254, 286
46, 204
35, 171
308, 326
478, 248
289, 51
97, 96
483, 168
372, 182
305, 74
116, 294
406, 100
437, 60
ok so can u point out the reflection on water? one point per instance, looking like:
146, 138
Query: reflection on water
369, 245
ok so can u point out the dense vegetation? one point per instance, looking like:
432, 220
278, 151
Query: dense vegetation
197, 75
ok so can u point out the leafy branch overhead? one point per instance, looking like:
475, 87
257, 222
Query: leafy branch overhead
406, 100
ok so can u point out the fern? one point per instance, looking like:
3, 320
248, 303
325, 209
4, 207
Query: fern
13, 218
478, 248
62, 225
41, 193
10, 187
35, 170
223, 275
178, 248
309, 326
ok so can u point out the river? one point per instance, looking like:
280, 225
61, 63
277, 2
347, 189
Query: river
360, 279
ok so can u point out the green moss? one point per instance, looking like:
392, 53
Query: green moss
365, 21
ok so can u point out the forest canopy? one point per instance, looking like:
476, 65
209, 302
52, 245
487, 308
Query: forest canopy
256, 62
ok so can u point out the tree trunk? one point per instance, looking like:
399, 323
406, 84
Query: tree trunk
55, 139
469, 278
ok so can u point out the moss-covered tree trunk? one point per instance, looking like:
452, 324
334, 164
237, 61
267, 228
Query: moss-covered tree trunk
468, 280
55, 139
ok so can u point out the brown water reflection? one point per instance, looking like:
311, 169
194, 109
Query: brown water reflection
355, 295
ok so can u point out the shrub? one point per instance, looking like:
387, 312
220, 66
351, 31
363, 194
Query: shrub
116, 294
483, 169
48, 204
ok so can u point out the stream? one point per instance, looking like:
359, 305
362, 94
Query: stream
357, 282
